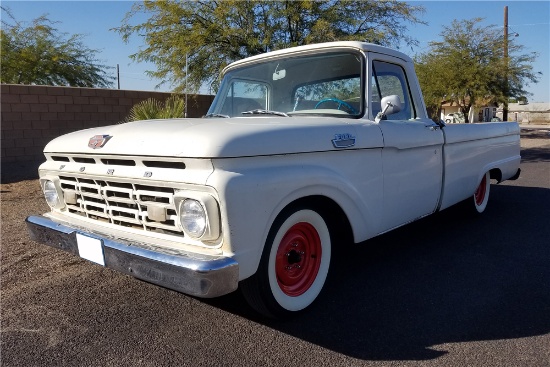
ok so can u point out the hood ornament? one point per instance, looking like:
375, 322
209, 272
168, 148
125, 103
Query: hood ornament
98, 141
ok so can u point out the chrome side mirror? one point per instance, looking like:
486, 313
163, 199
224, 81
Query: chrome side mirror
390, 105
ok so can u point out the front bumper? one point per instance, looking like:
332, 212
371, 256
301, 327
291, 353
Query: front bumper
189, 273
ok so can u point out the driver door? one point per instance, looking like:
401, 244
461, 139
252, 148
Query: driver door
412, 153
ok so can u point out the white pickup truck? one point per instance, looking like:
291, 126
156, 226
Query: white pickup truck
301, 148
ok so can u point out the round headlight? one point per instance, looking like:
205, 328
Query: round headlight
51, 194
193, 218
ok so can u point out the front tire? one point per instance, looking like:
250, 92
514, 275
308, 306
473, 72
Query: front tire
294, 264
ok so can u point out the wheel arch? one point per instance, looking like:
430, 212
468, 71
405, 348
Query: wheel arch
496, 174
337, 219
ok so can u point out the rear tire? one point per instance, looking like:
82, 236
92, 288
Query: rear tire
294, 264
481, 195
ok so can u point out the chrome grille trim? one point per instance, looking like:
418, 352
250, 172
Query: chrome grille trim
121, 203
111, 161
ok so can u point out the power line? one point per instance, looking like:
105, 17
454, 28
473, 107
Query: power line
125, 72
518, 25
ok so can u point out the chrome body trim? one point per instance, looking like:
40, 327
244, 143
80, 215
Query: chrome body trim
198, 275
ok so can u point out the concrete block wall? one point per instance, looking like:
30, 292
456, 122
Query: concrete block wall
31, 116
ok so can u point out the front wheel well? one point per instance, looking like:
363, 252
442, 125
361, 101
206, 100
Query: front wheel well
337, 220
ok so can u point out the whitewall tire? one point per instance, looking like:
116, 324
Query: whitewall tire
294, 264
481, 195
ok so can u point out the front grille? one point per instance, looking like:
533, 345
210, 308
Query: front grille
122, 203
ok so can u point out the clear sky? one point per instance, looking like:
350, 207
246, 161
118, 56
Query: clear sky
94, 19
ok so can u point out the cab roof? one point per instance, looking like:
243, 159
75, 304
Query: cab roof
327, 46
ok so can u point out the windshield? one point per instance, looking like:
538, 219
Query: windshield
319, 84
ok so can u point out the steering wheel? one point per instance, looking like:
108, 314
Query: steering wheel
340, 104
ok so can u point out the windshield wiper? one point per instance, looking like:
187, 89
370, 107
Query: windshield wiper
210, 115
265, 112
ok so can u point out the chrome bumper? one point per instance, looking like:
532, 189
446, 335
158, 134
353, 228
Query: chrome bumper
193, 274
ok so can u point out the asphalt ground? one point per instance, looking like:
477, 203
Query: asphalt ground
449, 290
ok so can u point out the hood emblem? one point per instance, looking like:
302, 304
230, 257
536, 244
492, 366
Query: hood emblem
343, 140
98, 141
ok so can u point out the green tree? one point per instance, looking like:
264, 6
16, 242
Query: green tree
39, 54
211, 34
467, 67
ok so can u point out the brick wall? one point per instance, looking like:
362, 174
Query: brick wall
31, 116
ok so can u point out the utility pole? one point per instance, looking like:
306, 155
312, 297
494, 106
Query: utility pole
506, 62
118, 75
186, 85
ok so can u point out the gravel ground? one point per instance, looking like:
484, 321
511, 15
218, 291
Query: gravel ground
56, 308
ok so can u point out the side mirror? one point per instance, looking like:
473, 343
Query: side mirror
390, 105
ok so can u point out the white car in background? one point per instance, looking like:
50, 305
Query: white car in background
455, 118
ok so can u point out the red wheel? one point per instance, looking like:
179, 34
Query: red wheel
298, 259
294, 264
481, 195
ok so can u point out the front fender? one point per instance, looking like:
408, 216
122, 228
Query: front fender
253, 191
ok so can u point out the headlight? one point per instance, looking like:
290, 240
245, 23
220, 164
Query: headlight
193, 217
50, 192
199, 216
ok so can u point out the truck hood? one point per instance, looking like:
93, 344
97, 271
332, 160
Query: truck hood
214, 138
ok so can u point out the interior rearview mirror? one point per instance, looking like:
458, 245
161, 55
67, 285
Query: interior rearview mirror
279, 74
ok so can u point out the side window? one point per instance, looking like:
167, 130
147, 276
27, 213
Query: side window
389, 79
244, 95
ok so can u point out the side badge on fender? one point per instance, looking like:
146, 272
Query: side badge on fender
343, 140
98, 141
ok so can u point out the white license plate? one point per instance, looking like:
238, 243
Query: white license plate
90, 249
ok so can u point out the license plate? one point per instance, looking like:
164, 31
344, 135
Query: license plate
90, 249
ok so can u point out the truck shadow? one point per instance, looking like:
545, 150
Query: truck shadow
541, 154
448, 278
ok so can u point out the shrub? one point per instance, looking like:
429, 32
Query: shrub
153, 109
